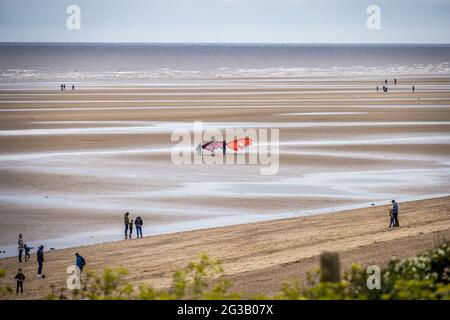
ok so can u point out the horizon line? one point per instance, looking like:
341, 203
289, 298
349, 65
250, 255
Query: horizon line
226, 43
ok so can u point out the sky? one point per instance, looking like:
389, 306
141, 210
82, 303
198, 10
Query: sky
226, 21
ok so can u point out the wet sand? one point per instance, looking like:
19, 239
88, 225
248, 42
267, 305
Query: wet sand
256, 257
74, 161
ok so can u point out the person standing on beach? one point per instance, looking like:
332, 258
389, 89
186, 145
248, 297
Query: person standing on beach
126, 220
395, 81
79, 261
395, 213
138, 223
413, 89
27, 251
20, 247
391, 218
377, 89
199, 149
20, 277
224, 147
40, 261
131, 227
73, 87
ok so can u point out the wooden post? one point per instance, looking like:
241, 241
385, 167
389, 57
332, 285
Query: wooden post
330, 267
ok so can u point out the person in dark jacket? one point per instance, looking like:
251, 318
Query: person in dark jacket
80, 262
126, 220
138, 223
20, 277
40, 261
27, 251
395, 213
224, 146
20, 247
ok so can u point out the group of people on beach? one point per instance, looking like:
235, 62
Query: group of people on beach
393, 215
385, 87
63, 87
138, 222
80, 262
25, 252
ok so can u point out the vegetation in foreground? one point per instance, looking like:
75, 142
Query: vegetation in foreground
426, 276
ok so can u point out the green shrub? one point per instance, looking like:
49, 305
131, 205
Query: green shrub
4, 291
423, 277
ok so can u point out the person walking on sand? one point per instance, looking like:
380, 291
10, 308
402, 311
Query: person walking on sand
126, 220
20, 247
224, 147
377, 89
40, 261
20, 277
413, 89
138, 223
395, 213
131, 228
27, 251
73, 87
79, 261
395, 81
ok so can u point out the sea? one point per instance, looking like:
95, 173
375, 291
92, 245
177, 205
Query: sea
146, 62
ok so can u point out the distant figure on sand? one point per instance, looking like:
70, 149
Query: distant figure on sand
413, 89
395, 81
199, 149
40, 261
395, 213
391, 218
138, 223
27, 251
224, 146
126, 220
131, 227
73, 87
385, 81
79, 261
62, 87
20, 247
20, 277
377, 89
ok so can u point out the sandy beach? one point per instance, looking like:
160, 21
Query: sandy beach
256, 257
73, 162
